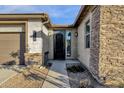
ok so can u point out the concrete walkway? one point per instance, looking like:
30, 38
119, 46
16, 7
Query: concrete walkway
5, 74
57, 76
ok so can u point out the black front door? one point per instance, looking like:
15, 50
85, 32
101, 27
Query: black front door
59, 46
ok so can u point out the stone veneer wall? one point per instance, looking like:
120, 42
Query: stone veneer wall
33, 58
111, 57
94, 50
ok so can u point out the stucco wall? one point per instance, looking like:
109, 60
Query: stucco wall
34, 46
51, 44
45, 38
83, 53
41, 43
40, 46
90, 57
73, 45
111, 62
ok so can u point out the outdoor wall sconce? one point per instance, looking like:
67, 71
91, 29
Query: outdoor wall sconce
76, 34
34, 35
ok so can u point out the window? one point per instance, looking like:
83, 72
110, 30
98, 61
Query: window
87, 34
68, 43
34, 35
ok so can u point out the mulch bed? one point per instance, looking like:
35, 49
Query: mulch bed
79, 77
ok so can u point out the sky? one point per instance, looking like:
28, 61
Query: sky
59, 14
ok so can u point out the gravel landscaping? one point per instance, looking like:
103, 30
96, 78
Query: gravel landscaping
79, 77
27, 77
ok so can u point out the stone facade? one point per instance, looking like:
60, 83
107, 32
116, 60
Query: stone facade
94, 49
111, 57
33, 58
107, 45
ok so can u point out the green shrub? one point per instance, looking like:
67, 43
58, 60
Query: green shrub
75, 69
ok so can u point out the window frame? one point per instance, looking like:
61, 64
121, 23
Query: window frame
88, 22
70, 44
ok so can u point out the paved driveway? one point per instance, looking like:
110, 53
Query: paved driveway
5, 74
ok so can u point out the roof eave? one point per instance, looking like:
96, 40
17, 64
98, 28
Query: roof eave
83, 12
25, 16
81, 9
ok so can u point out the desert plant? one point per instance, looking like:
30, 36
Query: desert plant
14, 54
75, 69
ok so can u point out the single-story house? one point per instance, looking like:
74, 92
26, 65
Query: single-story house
96, 39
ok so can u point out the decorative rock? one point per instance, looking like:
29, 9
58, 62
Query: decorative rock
84, 83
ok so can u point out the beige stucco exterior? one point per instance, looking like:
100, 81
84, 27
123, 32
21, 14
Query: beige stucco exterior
73, 44
51, 45
33, 50
34, 46
41, 45
105, 57
83, 53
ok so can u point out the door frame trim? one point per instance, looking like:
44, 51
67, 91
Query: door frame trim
63, 43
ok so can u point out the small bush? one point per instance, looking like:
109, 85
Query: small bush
14, 54
75, 69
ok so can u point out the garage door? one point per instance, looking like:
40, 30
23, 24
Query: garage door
12, 44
